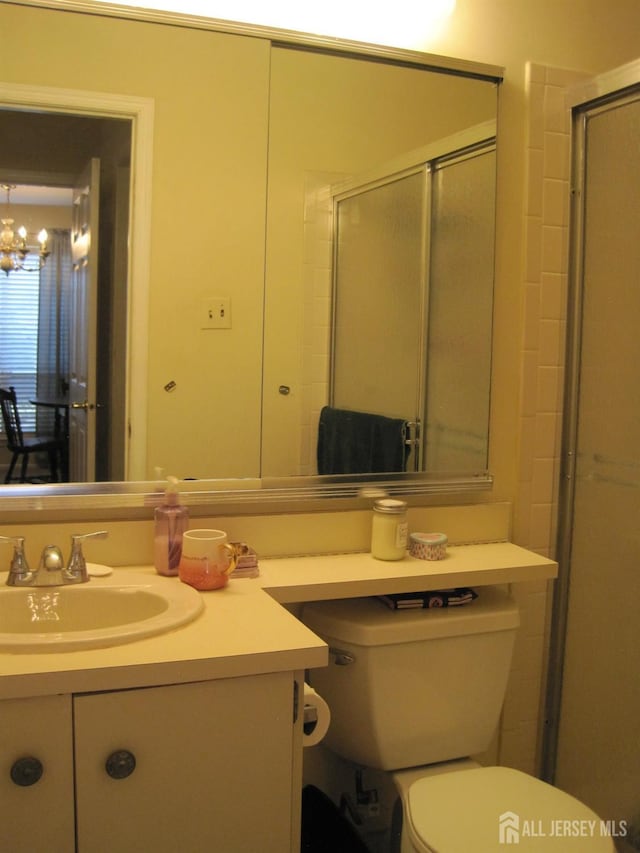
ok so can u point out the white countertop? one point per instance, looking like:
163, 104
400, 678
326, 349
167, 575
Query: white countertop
245, 630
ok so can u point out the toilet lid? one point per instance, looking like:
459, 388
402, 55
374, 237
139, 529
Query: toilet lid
489, 808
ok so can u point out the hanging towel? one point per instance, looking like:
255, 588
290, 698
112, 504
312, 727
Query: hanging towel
360, 443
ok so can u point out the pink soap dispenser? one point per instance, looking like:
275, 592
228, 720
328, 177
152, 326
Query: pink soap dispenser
171, 521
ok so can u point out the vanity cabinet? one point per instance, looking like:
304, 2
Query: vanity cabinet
37, 817
206, 766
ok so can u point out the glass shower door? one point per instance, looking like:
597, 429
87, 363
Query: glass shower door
458, 369
598, 748
379, 299
412, 303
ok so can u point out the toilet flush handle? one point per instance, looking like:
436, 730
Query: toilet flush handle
341, 658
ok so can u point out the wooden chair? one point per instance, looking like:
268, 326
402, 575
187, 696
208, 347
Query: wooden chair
24, 447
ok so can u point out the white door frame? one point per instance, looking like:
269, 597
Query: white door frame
140, 111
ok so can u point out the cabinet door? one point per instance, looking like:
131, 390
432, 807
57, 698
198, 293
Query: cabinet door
36, 811
213, 767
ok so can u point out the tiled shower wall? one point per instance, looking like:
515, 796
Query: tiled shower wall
545, 294
316, 321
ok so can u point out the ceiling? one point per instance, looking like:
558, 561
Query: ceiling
27, 194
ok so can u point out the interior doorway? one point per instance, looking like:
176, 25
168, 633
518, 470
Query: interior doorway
51, 150
87, 118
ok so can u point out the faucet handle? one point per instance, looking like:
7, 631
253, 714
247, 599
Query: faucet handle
19, 572
76, 571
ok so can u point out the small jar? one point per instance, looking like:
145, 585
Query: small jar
389, 529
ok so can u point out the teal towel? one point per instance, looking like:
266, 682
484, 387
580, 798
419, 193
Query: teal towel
360, 443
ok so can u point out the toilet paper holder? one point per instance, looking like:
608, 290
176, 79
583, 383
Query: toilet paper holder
316, 717
309, 719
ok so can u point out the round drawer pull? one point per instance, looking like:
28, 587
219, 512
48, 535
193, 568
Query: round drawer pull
26, 771
120, 764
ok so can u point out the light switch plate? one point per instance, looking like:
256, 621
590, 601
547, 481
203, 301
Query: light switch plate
215, 312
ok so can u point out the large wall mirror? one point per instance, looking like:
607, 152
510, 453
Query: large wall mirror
379, 188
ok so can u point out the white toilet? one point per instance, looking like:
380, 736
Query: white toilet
416, 692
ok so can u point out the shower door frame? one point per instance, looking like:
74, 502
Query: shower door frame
600, 93
428, 161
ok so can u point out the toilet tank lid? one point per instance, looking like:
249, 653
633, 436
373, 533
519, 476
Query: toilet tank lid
369, 622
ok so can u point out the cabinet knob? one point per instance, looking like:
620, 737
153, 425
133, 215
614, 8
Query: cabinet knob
120, 764
26, 771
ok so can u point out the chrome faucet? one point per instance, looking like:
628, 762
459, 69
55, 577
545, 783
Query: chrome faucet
19, 572
51, 570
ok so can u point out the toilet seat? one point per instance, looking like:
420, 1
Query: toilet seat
470, 809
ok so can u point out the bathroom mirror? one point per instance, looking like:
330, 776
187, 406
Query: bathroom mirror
338, 112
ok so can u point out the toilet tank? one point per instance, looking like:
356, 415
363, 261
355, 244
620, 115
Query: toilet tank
413, 687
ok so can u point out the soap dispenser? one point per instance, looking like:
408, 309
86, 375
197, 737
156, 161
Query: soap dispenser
171, 521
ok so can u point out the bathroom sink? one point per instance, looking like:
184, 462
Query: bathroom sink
104, 612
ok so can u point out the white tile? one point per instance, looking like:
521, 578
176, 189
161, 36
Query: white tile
543, 472
531, 316
550, 344
553, 249
535, 180
553, 296
530, 386
533, 249
549, 385
546, 430
556, 155
555, 210
556, 114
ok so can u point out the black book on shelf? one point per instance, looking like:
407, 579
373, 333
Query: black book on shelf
431, 599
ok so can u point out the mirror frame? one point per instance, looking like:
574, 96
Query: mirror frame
135, 499
85, 501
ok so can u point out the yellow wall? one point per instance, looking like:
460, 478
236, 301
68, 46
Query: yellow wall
35, 217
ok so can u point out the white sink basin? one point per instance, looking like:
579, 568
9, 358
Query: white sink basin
104, 612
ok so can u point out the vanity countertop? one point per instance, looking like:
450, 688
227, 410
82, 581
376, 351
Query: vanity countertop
245, 630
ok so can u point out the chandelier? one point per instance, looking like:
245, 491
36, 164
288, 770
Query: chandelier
13, 246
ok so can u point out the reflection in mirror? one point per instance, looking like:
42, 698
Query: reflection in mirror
380, 239
335, 119
46, 155
412, 302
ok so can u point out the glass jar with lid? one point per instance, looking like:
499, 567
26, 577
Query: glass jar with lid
389, 529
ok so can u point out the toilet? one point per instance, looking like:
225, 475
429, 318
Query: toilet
415, 692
